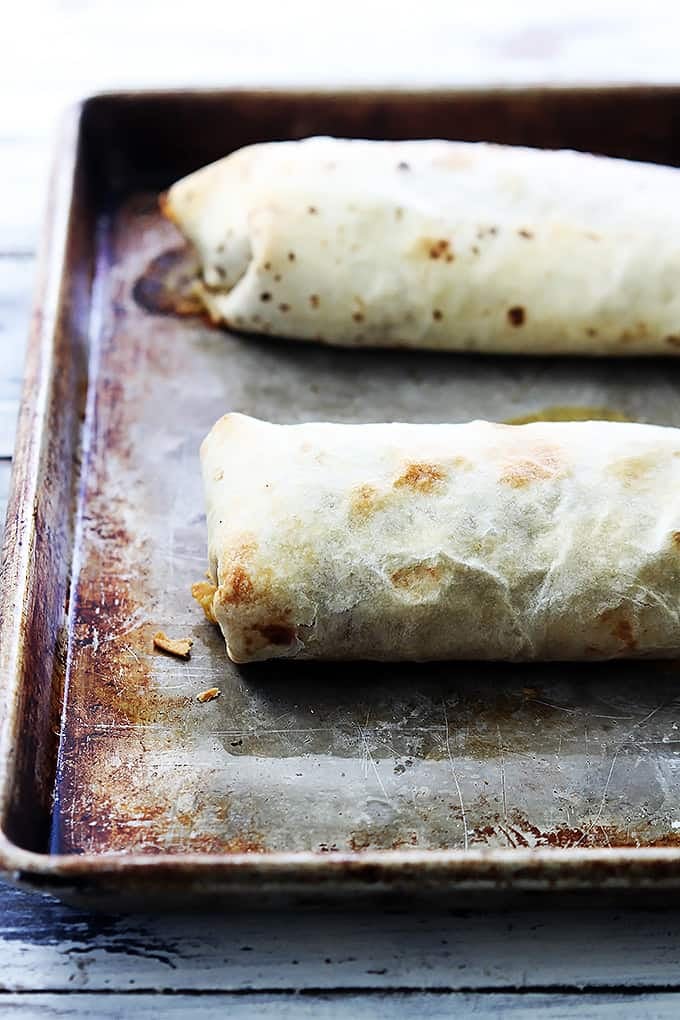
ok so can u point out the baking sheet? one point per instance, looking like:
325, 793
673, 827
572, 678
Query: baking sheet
304, 756
449, 780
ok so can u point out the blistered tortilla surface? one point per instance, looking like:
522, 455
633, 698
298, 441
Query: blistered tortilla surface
476, 541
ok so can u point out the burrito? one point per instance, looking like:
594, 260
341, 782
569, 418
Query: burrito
435, 244
555, 540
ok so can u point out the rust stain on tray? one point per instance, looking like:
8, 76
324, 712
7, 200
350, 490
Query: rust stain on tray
518, 831
111, 795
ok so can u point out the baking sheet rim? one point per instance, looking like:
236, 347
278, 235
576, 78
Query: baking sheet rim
471, 869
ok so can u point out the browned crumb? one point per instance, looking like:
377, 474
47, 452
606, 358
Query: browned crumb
181, 647
203, 592
209, 695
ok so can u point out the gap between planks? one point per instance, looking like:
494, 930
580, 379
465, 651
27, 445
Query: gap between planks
319, 1006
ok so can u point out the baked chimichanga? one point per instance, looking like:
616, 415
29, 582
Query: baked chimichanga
445, 245
481, 541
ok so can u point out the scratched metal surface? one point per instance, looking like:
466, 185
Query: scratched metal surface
318, 756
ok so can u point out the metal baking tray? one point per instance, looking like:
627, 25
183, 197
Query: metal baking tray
303, 781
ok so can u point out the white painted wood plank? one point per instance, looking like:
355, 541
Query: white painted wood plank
46, 946
24, 172
391, 1006
16, 287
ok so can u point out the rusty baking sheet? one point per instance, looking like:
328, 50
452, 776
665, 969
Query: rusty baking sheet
300, 779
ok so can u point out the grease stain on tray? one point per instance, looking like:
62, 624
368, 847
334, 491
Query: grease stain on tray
568, 412
168, 285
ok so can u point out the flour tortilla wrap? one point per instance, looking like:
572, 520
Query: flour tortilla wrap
478, 541
444, 245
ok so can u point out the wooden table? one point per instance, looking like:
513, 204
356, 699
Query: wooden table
58, 962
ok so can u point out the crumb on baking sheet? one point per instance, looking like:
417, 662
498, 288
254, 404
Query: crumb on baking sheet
203, 592
209, 695
181, 647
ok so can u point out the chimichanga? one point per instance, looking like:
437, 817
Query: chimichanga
481, 541
445, 245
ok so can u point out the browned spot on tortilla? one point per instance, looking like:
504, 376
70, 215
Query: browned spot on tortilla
436, 248
437, 314
516, 315
422, 477
619, 626
284, 307
236, 587
291, 256
209, 695
634, 469
364, 502
267, 266
312, 210
179, 647
314, 300
236, 584
673, 340
624, 632
203, 592
357, 316
417, 578
590, 331
527, 234
675, 538
277, 277
539, 464
277, 633
265, 296
591, 236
